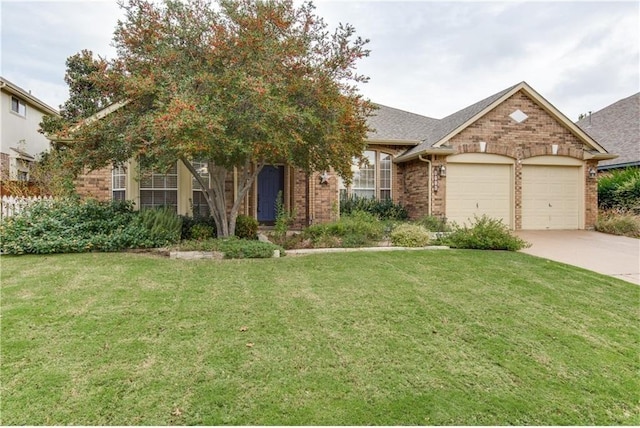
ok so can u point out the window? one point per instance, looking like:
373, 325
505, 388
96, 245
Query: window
371, 178
118, 183
18, 106
159, 190
200, 205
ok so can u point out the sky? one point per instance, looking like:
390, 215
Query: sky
427, 57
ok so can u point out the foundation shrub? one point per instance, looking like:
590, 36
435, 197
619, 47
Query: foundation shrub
232, 248
485, 233
163, 225
410, 235
384, 210
188, 223
246, 227
358, 229
434, 224
73, 226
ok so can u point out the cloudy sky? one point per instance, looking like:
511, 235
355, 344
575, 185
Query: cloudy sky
427, 57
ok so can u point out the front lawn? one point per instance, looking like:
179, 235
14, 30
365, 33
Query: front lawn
421, 337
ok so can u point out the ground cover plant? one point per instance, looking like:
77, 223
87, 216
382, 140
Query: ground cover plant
454, 337
74, 226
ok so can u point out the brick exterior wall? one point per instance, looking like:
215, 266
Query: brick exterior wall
95, 184
4, 166
533, 137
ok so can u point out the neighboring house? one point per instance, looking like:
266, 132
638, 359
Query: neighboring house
20, 141
512, 156
617, 128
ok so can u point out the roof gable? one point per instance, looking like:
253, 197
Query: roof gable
455, 123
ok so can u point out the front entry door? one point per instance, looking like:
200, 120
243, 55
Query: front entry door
270, 182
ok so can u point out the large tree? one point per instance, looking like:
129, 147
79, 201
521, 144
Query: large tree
239, 84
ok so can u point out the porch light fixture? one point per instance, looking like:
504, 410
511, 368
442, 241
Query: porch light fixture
442, 171
592, 173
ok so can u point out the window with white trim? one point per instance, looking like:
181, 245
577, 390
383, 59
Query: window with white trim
118, 183
371, 178
199, 202
159, 189
18, 106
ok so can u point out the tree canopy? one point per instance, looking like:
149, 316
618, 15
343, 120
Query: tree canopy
238, 84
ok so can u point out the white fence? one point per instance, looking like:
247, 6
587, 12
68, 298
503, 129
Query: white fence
12, 205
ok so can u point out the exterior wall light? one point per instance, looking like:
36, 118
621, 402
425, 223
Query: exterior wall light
593, 173
443, 171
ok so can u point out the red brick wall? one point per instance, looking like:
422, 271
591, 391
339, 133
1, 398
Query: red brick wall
533, 137
95, 184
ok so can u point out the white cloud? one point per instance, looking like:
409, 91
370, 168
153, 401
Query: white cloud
429, 57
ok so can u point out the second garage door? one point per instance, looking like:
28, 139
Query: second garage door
479, 189
551, 197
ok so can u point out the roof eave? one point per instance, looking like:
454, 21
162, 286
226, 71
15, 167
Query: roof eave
599, 156
392, 142
15, 90
439, 151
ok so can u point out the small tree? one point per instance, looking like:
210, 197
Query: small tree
240, 86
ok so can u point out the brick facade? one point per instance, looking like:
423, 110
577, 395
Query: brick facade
503, 136
95, 184
5, 165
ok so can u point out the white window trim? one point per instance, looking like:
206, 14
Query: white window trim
377, 174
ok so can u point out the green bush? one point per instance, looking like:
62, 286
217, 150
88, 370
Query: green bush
410, 235
246, 249
72, 226
188, 223
485, 233
434, 224
163, 224
246, 227
200, 232
384, 210
355, 230
619, 224
620, 189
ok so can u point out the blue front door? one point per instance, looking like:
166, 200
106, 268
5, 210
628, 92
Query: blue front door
270, 182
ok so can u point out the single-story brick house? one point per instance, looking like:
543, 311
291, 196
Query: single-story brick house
512, 156
617, 129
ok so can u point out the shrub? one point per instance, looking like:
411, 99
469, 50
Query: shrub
619, 224
164, 225
188, 223
485, 233
384, 210
200, 232
72, 226
434, 224
355, 230
246, 227
245, 249
410, 235
620, 189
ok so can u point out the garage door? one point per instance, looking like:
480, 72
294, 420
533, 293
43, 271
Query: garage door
551, 197
477, 189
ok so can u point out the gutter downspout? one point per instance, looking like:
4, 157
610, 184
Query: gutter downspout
428, 184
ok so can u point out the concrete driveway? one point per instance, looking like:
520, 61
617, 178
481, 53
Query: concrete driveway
616, 256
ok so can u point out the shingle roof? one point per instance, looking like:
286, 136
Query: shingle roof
447, 125
617, 129
392, 124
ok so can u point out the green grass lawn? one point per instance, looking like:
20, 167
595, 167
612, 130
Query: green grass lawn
398, 338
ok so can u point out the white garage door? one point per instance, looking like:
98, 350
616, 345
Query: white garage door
477, 189
551, 197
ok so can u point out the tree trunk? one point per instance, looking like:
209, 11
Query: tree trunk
215, 194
